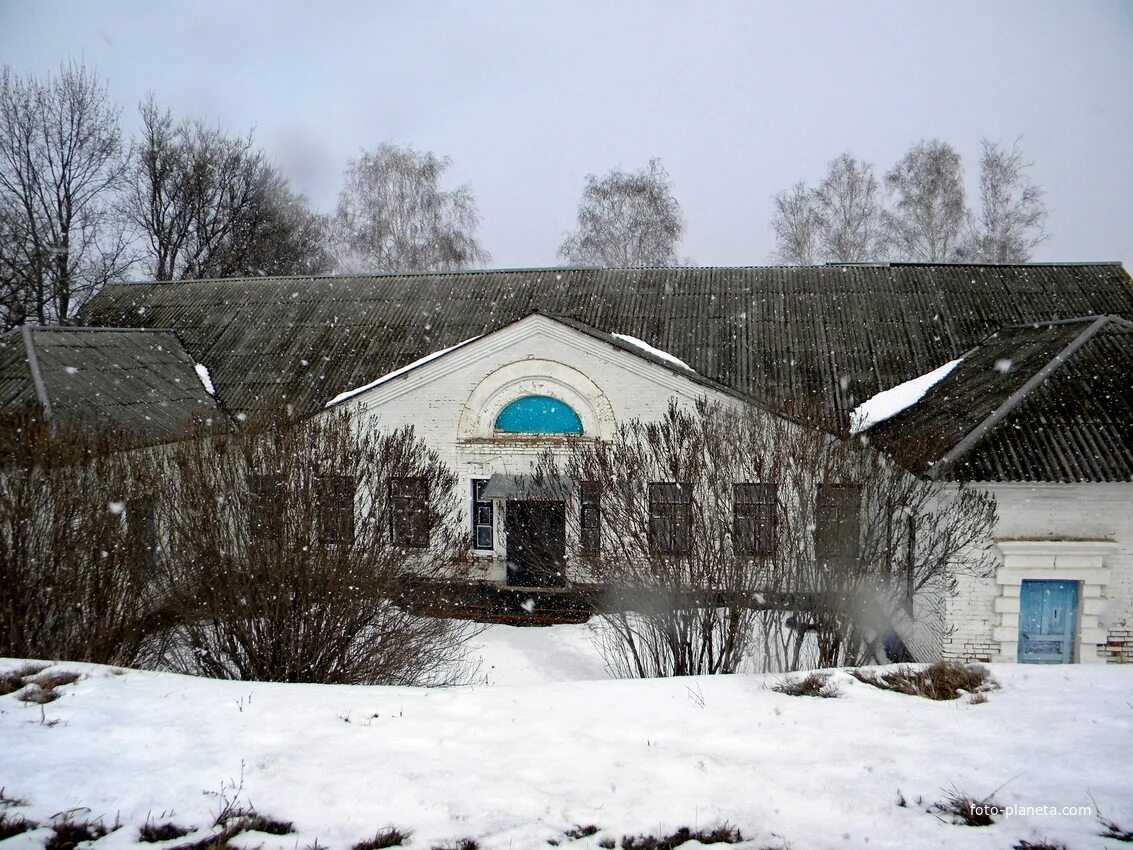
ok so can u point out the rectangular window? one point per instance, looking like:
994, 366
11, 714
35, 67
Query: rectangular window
409, 512
837, 525
670, 518
483, 516
754, 518
590, 521
265, 506
336, 509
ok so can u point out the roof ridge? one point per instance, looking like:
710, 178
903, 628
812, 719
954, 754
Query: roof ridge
969, 440
541, 269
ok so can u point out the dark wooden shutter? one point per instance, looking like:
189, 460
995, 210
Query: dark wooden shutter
409, 512
754, 517
336, 509
670, 517
265, 506
837, 526
590, 521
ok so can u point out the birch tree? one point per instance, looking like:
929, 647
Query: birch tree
393, 215
626, 219
839, 221
1012, 214
926, 220
796, 226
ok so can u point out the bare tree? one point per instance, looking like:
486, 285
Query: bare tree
288, 549
730, 534
393, 215
76, 543
627, 219
1012, 213
849, 209
61, 161
838, 222
927, 218
212, 205
797, 227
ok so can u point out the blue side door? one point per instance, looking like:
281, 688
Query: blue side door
1047, 614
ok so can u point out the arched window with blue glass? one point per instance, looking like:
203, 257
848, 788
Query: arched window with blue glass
538, 414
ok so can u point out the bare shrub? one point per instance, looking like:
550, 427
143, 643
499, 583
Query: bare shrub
810, 685
578, 831
719, 835
12, 680
966, 810
151, 833
69, 834
38, 695
75, 543
289, 544
57, 678
731, 531
391, 836
1045, 844
941, 680
11, 825
1114, 831
460, 844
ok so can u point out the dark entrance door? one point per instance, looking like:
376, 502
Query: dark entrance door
536, 543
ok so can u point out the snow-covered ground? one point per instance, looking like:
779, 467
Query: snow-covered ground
549, 742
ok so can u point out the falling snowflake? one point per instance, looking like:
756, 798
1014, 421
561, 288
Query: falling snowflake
1004, 365
70, 370
117, 508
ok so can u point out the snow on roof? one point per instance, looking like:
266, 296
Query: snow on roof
343, 396
890, 402
656, 352
206, 378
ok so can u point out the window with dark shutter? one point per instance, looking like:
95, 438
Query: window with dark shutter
409, 512
336, 509
483, 516
837, 525
753, 518
590, 521
670, 517
265, 506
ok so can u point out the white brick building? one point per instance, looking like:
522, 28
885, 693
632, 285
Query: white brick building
1039, 408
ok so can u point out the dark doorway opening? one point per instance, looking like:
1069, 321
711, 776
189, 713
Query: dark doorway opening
536, 543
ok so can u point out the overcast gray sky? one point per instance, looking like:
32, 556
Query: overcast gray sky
738, 99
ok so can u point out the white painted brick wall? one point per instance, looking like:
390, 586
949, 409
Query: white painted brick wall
1052, 512
615, 385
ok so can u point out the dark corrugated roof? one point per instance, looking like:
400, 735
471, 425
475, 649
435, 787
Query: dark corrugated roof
142, 381
829, 336
1047, 402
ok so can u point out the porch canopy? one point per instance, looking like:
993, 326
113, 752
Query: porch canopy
526, 487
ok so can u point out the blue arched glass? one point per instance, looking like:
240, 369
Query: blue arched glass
538, 414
